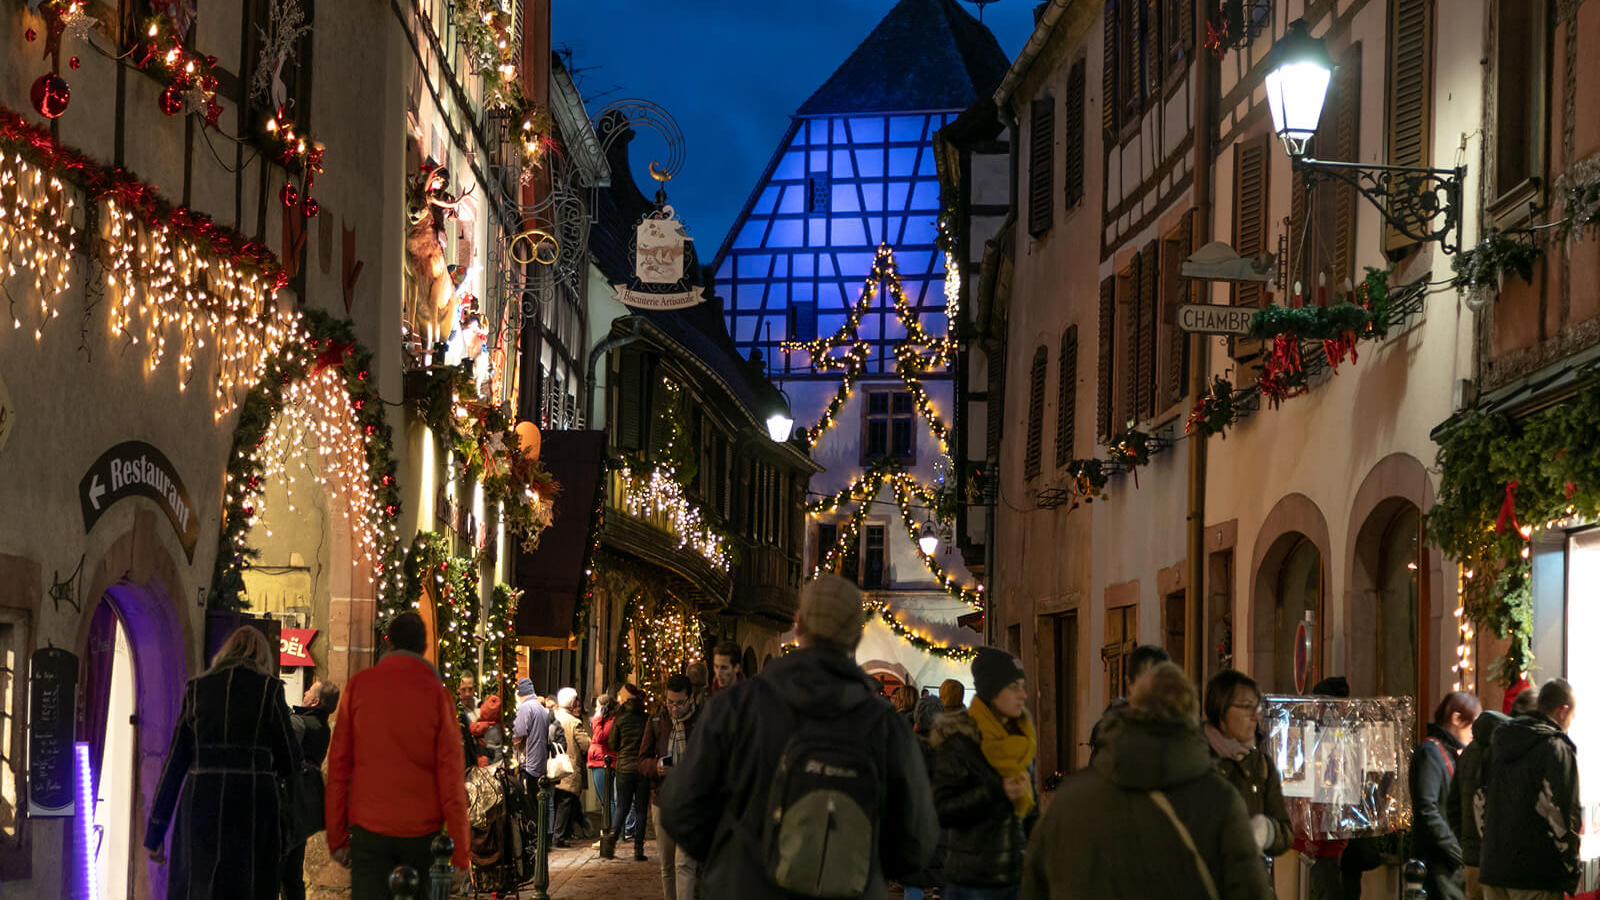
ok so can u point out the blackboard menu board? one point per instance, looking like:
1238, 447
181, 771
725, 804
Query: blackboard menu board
52, 705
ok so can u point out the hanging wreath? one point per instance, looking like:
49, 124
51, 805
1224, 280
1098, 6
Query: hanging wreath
1130, 449
328, 343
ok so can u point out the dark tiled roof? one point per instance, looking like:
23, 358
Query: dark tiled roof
924, 55
700, 329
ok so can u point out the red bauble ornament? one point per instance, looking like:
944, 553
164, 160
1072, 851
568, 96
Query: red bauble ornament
50, 95
213, 113
31, 35
289, 196
310, 208
73, 62
172, 100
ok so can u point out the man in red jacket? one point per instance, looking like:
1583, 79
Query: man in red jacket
394, 767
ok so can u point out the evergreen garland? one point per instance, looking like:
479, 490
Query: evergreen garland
1501, 478
328, 342
1499, 252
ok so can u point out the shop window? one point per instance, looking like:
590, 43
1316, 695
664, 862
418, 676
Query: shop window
1522, 36
888, 428
1398, 562
1582, 669
1063, 631
1122, 630
1298, 591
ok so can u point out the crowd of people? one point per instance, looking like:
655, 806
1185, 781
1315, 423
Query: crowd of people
808, 781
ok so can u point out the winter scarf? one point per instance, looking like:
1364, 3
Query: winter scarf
1224, 746
1010, 754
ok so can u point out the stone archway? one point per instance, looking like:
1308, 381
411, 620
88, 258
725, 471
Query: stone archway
1395, 491
139, 577
1289, 572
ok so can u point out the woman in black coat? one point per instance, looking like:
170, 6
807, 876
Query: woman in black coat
1433, 766
232, 745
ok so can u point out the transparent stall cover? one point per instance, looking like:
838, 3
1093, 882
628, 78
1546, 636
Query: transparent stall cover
1344, 763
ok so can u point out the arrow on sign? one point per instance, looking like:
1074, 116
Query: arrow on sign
96, 491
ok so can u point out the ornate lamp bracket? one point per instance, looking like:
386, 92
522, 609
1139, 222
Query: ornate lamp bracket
1422, 204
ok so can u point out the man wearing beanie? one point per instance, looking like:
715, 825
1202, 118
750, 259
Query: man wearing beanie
814, 710
530, 734
983, 780
952, 695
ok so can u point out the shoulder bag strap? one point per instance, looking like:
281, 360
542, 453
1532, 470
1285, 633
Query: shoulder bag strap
1444, 754
1161, 801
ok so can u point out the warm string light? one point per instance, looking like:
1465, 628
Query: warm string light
317, 415
667, 641
657, 493
161, 283
918, 639
36, 231
1463, 665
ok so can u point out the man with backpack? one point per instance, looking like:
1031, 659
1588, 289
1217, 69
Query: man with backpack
797, 782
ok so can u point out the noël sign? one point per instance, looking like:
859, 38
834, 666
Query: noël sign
134, 468
1207, 318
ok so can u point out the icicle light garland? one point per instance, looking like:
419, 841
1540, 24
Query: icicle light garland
1463, 667
317, 389
36, 230
656, 491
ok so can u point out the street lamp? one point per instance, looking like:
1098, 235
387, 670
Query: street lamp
1421, 203
929, 541
780, 424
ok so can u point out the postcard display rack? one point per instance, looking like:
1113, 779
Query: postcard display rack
1344, 763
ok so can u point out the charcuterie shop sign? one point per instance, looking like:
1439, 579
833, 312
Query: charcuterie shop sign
134, 468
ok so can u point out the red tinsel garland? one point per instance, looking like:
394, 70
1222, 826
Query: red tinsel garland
100, 181
1336, 348
1280, 366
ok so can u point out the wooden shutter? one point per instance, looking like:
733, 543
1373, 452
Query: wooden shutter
1030, 461
630, 394
1110, 103
1076, 141
1067, 396
1250, 212
1133, 342
1176, 293
1410, 91
1184, 10
1108, 343
1041, 141
1339, 199
1149, 280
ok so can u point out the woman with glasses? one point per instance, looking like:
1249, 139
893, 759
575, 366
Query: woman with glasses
1233, 711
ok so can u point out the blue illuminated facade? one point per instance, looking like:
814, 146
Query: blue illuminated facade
856, 169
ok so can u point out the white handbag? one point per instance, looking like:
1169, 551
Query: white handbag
558, 766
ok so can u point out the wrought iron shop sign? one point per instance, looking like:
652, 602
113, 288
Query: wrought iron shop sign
664, 265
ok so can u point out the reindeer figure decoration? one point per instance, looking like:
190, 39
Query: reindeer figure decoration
430, 310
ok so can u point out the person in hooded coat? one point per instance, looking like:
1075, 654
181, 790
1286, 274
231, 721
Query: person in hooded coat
926, 883
1433, 768
983, 782
1463, 805
1533, 816
633, 789
232, 745
1150, 818
715, 805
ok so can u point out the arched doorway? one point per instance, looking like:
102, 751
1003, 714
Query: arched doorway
110, 697
1289, 585
1387, 604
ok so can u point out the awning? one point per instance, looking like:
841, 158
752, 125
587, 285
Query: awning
1541, 389
552, 576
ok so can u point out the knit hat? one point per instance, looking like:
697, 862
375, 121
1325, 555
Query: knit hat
830, 610
525, 688
992, 670
952, 694
489, 709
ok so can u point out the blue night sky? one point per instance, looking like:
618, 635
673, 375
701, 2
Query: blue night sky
730, 72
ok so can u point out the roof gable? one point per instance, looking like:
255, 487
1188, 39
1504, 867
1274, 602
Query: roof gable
924, 55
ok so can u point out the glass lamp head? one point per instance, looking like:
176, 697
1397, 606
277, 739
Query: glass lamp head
1297, 85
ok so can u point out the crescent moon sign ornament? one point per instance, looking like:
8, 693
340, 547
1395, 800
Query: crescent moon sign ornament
658, 174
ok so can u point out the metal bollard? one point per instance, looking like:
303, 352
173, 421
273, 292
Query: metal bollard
1414, 878
404, 883
442, 873
541, 859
